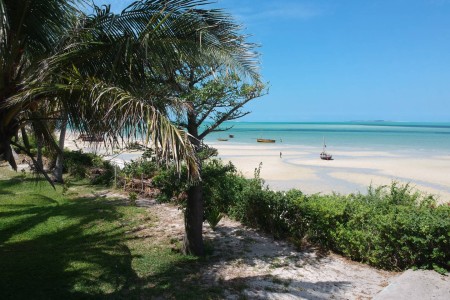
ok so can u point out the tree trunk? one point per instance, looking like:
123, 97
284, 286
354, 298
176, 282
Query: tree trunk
39, 152
7, 132
58, 173
193, 216
193, 221
6, 153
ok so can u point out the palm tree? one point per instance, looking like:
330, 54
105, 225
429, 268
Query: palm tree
110, 73
29, 31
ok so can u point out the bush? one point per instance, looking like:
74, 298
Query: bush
106, 175
391, 227
276, 213
80, 165
171, 184
77, 163
221, 186
321, 216
142, 167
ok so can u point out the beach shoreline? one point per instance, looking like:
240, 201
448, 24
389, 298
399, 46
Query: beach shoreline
349, 172
299, 167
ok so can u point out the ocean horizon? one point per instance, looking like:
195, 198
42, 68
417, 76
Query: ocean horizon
349, 136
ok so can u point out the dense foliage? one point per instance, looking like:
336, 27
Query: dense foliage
390, 227
221, 186
88, 165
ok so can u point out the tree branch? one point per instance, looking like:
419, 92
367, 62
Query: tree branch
224, 118
35, 163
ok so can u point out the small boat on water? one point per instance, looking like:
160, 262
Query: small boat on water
324, 155
90, 138
222, 140
231, 136
265, 141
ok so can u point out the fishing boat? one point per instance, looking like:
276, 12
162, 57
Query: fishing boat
90, 138
324, 155
222, 140
265, 141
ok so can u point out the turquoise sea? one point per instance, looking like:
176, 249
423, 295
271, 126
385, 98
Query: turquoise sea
378, 135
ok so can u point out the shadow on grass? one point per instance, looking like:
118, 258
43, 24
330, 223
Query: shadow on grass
57, 250
5, 192
66, 263
82, 249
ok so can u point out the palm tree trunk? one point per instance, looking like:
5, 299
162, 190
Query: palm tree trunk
7, 132
39, 152
58, 173
193, 215
193, 221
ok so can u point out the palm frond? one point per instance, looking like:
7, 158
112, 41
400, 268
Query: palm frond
98, 108
113, 73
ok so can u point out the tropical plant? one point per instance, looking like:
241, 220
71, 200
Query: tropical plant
111, 74
212, 94
29, 32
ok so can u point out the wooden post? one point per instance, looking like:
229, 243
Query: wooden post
115, 176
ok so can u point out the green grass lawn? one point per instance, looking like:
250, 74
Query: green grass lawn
77, 245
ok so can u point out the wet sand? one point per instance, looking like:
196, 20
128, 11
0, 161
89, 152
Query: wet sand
300, 167
350, 171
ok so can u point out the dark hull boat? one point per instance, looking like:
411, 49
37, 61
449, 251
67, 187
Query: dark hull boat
265, 141
324, 155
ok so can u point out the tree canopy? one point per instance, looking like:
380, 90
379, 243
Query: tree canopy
117, 75
111, 73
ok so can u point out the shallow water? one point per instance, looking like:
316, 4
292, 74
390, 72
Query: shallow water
386, 136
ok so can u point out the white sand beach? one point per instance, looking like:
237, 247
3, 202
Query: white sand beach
349, 172
300, 167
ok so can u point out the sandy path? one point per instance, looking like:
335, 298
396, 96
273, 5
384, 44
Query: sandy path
249, 264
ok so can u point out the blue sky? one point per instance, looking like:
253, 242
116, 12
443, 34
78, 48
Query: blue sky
328, 60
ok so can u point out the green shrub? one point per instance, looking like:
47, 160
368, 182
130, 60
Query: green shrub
132, 196
138, 168
322, 215
171, 184
276, 213
213, 217
106, 176
77, 163
221, 186
391, 227
80, 165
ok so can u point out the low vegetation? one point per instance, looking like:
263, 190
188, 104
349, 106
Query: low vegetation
78, 244
72, 242
389, 227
